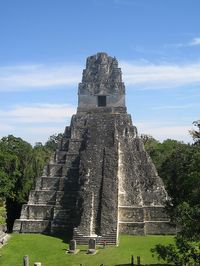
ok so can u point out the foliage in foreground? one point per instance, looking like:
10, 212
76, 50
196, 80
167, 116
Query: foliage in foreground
186, 250
183, 252
179, 166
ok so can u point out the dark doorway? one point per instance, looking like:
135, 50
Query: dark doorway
101, 101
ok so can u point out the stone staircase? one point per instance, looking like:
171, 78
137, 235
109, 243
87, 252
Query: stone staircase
52, 203
110, 239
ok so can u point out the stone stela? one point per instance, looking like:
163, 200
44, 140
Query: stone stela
72, 246
92, 246
100, 182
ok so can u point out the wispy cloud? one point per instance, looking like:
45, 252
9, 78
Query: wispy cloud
35, 122
162, 132
5, 127
144, 75
173, 107
24, 77
33, 134
41, 134
158, 76
37, 113
195, 42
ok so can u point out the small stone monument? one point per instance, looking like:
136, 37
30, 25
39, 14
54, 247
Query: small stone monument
72, 247
138, 260
92, 246
26, 260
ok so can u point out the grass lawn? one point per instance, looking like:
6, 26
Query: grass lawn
50, 251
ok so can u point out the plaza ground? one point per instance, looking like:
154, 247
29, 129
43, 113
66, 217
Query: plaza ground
51, 251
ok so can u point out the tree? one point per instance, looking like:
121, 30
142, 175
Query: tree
160, 152
181, 173
41, 155
20, 164
53, 141
183, 252
16, 174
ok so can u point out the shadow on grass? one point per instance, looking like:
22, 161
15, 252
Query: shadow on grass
65, 237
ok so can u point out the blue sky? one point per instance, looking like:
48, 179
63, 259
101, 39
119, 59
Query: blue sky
44, 45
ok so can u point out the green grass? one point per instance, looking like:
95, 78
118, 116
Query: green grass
50, 251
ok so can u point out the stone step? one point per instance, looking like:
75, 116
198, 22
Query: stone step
59, 183
159, 228
60, 228
81, 240
53, 197
37, 212
62, 198
129, 214
111, 239
74, 146
132, 228
70, 173
42, 197
64, 144
31, 226
47, 183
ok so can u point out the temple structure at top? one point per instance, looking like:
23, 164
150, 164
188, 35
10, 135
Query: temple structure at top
100, 182
101, 84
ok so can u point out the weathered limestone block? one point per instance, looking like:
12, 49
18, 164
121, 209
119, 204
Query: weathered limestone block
132, 228
46, 183
131, 214
42, 197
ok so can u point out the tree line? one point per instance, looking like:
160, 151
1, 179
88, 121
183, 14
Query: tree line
20, 164
178, 164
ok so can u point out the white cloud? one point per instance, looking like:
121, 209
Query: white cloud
180, 106
5, 127
26, 77
38, 113
152, 76
195, 41
33, 134
40, 134
144, 75
162, 132
35, 122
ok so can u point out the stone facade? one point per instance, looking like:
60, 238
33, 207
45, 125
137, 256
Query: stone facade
100, 181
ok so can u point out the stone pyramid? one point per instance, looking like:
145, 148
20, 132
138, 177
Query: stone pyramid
100, 182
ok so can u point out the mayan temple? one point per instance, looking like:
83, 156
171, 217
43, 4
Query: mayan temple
100, 182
